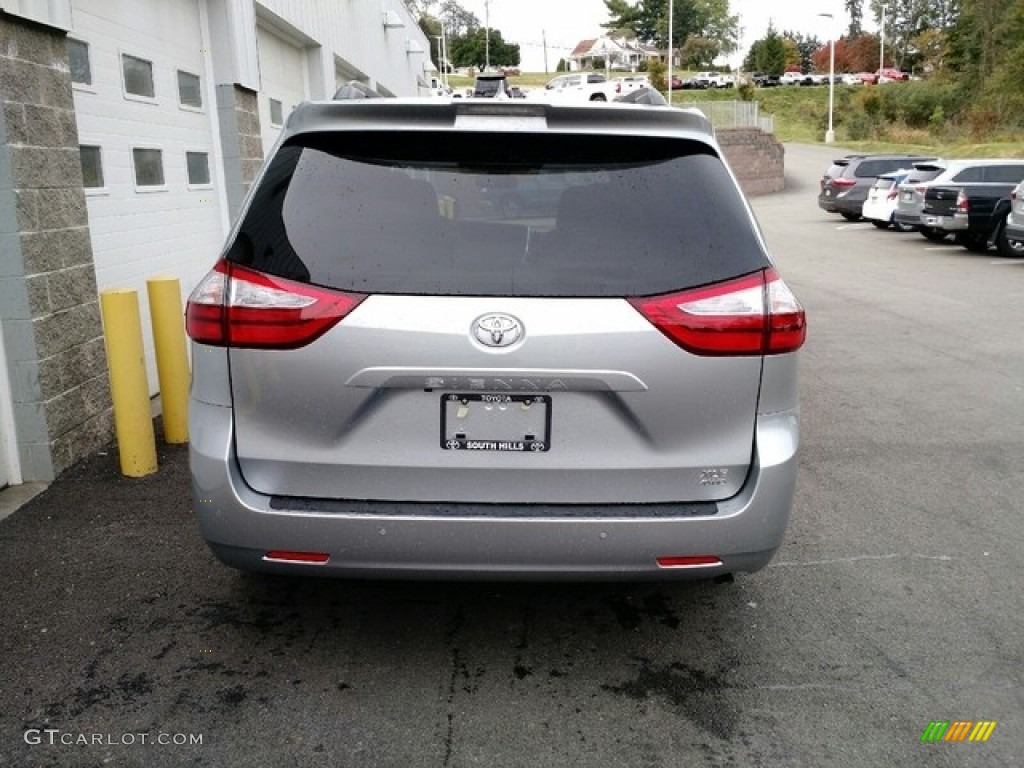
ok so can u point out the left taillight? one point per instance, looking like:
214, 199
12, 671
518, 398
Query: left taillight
235, 306
752, 315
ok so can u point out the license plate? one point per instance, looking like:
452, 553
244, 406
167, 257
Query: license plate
500, 422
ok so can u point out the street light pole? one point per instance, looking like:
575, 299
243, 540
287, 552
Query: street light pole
487, 39
670, 56
830, 135
881, 47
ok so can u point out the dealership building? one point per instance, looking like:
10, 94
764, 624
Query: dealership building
130, 133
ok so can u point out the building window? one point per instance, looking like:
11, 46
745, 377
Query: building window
149, 167
198, 167
78, 60
189, 94
92, 167
276, 113
138, 76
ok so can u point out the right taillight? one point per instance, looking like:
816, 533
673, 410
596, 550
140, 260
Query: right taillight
843, 183
752, 315
235, 306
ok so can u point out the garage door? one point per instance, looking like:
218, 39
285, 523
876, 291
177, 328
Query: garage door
283, 81
144, 109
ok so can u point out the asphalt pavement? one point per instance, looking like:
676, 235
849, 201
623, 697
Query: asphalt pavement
895, 602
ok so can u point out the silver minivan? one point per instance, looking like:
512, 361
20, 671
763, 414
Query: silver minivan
394, 378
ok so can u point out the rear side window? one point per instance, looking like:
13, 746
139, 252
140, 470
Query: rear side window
970, 175
878, 167
537, 215
1004, 174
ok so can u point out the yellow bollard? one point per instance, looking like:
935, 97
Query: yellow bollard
129, 389
168, 320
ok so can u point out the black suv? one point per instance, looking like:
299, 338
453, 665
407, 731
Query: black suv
846, 183
490, 84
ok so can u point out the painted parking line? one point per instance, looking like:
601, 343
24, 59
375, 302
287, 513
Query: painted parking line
1006, 262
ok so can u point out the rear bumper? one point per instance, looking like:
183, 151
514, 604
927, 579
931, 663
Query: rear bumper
912, 219
945, 223
403, 540
845, 202
1015, 231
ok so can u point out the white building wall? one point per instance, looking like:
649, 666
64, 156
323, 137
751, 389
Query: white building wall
284, 78
138, 233
304, 49
356, 44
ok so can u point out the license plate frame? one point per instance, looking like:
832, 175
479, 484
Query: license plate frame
509, 422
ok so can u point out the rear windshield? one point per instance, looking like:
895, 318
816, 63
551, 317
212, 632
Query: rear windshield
523, 215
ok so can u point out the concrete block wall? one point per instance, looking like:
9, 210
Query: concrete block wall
757, 158
242, 145
49, 306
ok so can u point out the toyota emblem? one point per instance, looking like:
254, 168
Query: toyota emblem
497, 330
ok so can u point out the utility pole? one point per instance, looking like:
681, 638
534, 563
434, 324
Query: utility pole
670, 55
544, 41
487, 39
881, 47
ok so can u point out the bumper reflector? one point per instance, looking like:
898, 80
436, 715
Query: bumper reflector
696, 561
284, 556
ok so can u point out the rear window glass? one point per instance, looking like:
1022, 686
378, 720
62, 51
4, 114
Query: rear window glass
536, 215
878, 167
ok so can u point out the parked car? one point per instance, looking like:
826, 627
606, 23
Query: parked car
577, 86
911, 195
763, 80
489, 85
795, 77
972, 211
392, 379
880, 206
628, 83
714, 80
845, 185
677, 83
1010, 239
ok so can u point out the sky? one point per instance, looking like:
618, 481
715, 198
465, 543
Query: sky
563, 23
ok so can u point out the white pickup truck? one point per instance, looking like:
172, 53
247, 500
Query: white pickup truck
713, 80
577, 86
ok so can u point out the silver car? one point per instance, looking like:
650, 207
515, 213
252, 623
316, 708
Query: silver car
913, 189
392, 378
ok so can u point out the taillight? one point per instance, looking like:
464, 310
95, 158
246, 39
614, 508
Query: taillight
843, 183
894, 192
963, 204
752, 315
238, 307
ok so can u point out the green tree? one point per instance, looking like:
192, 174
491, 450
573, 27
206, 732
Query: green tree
767, 55
471, 50
853, 8
805, 46
709, 19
